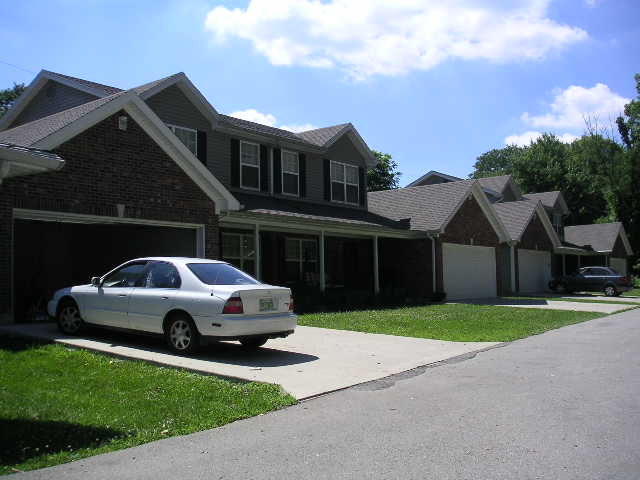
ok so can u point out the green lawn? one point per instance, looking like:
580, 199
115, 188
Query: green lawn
59, 404
457, 322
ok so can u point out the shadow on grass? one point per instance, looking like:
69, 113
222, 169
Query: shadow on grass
14, 343
22, 439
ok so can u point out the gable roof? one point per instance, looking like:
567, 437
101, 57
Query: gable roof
81, 84
322, 136
430, 208
600, 236
434, 173
260, 128
49, 132
515, 216
31, 133
550, 200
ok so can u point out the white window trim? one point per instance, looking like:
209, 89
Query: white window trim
241, 257
242, 142
300, 260
282, 172
345, 183
173, 127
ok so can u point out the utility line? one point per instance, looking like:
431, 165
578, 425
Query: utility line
16, 66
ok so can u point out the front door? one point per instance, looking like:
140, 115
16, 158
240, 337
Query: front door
153, 297
109, 304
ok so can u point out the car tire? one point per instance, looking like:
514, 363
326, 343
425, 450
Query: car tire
181, 334
253, 343
610, 291
68, 318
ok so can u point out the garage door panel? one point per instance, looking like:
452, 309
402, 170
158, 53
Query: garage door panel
469, 271
534, 269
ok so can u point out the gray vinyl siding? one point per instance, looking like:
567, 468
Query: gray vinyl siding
173, 107
54, 97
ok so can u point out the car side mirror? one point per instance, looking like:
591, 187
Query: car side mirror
95, 281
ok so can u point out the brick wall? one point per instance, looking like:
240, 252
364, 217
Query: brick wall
405, 265
535, 236
618, 249
104, 167
468, 223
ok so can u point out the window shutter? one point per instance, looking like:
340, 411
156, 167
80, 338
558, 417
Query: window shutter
264, 168
202, 146
302, 169
235, 162
277, 170
327, 179
363, 186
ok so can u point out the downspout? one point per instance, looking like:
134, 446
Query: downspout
433, 237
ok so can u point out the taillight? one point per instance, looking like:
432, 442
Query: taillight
624, 279
233, 305
291, 303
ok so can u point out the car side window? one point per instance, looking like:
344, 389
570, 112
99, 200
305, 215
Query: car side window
160, 275
127, 276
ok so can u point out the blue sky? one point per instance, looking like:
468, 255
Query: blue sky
433, 83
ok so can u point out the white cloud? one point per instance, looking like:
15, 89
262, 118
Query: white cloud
525, 139
393, 37
253, 115
572, 106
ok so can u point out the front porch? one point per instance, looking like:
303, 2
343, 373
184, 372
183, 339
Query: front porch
330, 266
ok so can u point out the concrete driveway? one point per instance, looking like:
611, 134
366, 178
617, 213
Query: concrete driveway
308, 363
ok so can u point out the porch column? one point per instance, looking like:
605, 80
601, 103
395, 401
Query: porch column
376, 277
564, 264
323, 279
512, 252
433, 264
256, 246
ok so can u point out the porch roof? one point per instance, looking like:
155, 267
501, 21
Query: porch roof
296, 209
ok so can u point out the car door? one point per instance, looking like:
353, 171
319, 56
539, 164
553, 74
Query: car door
109, 304
153, 296
580, 280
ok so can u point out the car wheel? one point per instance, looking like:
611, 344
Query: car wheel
253, 342
182, 335
610, 291
69, 320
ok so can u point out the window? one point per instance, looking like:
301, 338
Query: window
188, 136
557, 223
290, 173
239, 250
301, 259
220, 274
250, 165
127, 276
344, 183
160, 275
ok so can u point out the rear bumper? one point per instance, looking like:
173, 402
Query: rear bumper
225, 328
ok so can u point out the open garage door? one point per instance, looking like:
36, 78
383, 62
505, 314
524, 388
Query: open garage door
619, 265
49, 255
534, 269
469, 271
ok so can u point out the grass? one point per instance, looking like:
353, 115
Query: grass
59, 404
456, 322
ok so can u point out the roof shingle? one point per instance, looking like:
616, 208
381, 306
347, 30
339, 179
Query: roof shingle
497, 184
515, 216
428, 207
600, 236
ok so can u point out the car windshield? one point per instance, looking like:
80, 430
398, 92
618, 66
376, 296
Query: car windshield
220, 274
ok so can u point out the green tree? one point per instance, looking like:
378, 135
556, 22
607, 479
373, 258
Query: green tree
8, 97
498, 161
385, 175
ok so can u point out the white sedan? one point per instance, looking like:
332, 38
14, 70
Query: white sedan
188, 300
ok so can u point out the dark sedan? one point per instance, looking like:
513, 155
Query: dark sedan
594, 279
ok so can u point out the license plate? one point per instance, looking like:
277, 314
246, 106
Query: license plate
267, 305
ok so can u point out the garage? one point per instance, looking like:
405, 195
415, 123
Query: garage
619, 265
49, 255
535, 270
469, 271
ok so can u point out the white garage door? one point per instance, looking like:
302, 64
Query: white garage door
619, 265
469, 271
535, 270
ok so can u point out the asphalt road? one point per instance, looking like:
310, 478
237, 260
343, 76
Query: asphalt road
562, 405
